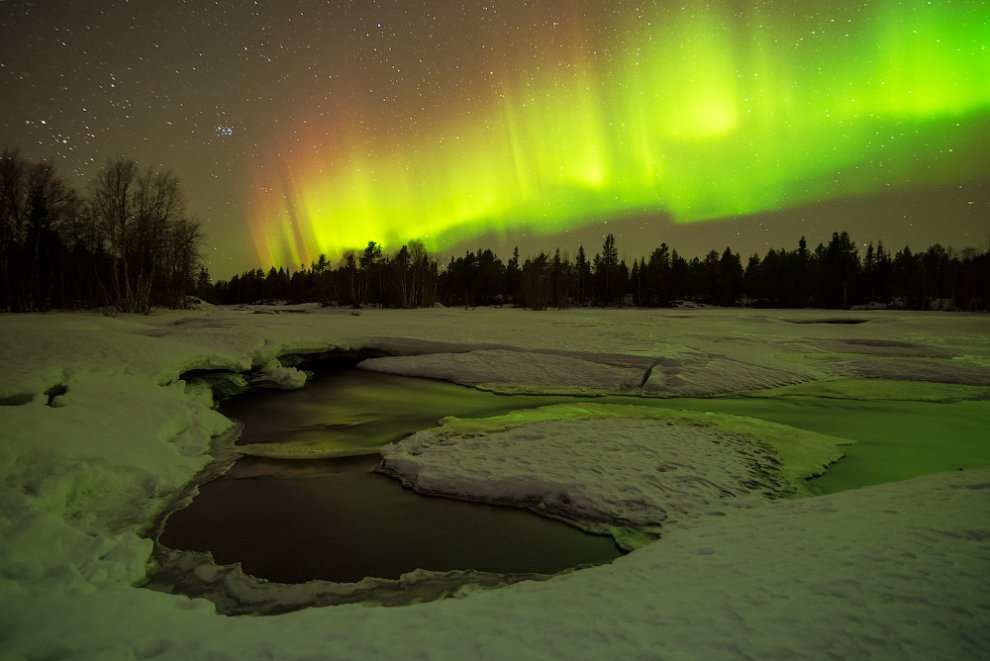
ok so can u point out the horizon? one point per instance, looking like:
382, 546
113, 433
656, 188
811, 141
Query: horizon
443, 258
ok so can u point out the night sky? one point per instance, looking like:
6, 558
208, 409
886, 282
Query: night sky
301, 127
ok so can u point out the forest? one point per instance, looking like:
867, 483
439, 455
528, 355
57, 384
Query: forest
832, 275
128, 245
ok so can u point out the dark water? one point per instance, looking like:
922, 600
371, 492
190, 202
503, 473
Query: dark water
292, 521
356, 412
333, 520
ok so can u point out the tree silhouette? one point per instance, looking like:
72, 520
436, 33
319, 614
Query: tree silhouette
607, 272
832, 276
582, 278
129, 246
148, 241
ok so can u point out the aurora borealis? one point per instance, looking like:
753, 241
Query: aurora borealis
316, 127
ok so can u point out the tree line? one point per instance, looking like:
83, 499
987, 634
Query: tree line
124, 245
408, 279
832, 275
127, 244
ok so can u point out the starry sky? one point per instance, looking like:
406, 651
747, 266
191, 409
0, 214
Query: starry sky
298, 127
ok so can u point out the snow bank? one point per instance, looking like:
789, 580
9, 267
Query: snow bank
671, 354
689, 374
879, 389
894, 571
702, 375
620, 469
507, 371
273, 375
79, 486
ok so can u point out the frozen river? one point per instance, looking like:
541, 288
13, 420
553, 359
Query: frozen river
294, 520
895, 568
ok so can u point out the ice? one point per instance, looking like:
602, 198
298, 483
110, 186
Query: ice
502, 370
273, 375
917, 369
625, 470
879, 389
894, 570
684, 374
706, 375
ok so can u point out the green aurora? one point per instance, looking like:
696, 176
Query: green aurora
740, 108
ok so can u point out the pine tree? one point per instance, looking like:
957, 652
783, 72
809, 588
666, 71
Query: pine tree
513, 276
582, 277
606, 271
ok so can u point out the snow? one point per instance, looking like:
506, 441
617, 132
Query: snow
506, 371
682, 373
273, 375
879, 389
607, 468
893, 570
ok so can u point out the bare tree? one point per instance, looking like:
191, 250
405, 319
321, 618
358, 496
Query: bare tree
422, 276
151, 244
12, 168
50, 205
181, 261
34, 203
112, 210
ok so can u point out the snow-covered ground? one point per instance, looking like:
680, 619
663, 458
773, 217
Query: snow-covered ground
99, 435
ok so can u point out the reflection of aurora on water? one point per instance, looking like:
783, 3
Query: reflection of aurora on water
698, 114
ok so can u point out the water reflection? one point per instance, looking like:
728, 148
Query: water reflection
295, 521
356, 412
